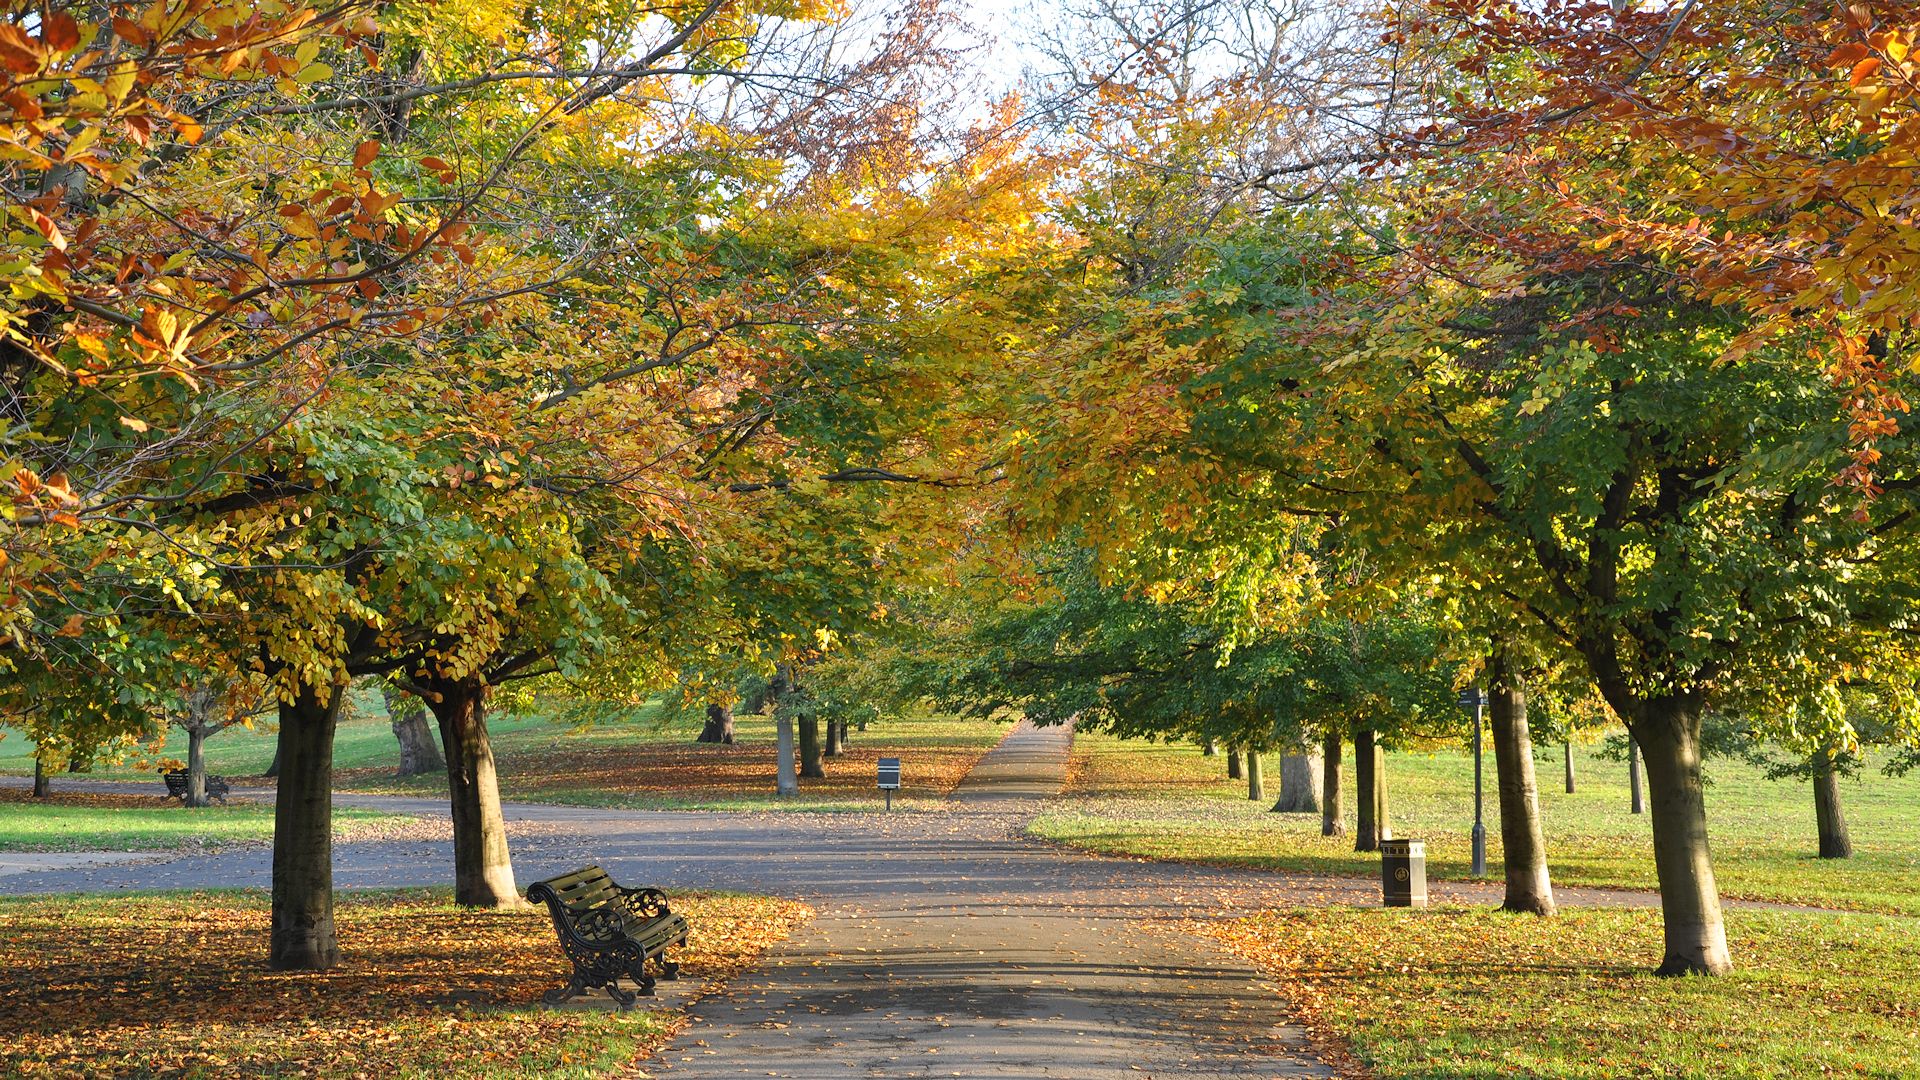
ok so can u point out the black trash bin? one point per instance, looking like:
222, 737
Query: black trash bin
1403, 873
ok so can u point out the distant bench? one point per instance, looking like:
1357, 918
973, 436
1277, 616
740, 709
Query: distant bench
217, 786
608, 931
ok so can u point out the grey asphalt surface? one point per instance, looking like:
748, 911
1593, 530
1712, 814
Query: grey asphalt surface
946, 943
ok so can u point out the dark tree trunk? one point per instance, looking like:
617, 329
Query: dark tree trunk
810, 765
1332, 821
1300, 783
1366, 800
833, 738
303, 937
719, 725
1832, 822
1567, 747
1210, 748
419, 754
1696, 937
407, 715
482, 866
42, 786
1638, 799
1256, 779
1233, 763
197, 765
273, 770
1522, 841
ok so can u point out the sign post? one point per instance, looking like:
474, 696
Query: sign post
889, 777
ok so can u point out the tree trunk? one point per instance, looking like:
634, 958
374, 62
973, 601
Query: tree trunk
419, 754
810, 765
1639, 802
1300, 784
1696, 938
1233, 763
407, 715
302, 936
1832, 822
833, 738
1567, 747
42, 786
785, 782
719, 726
1366, 776
273, 770
1256, 779
482, 866
196, 765
1381, 819
1523, 843
1210, 748
1332, 821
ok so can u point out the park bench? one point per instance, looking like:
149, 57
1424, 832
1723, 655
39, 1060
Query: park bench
608, 931
217, 786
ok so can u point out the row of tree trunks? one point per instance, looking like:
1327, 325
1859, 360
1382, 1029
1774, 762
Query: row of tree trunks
1332, 821
1300, 784
1523, 842
719, 725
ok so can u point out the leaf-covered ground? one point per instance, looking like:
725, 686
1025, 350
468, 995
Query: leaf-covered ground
1169, 802
1454, 994
72, 821
175, 985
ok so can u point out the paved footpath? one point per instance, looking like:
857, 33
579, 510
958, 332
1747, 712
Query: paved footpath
947, 944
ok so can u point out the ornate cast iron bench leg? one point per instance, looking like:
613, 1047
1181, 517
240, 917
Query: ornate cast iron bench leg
560, 994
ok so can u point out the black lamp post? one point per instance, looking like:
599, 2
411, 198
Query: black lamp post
1475, 700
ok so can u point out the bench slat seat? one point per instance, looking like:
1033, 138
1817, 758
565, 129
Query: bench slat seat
609, 931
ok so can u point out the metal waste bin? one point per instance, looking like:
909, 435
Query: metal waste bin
1403, 873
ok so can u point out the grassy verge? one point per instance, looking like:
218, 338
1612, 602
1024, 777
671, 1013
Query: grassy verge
643, 763
143, 823
180, 989
1464, 995
1169, 802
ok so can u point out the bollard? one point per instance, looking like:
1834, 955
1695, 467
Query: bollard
1403, 873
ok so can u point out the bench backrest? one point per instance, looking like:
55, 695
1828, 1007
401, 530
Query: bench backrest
578, 892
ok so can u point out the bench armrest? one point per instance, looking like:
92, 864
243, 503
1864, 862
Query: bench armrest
646, 903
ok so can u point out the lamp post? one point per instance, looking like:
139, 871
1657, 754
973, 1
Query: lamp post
1475, 700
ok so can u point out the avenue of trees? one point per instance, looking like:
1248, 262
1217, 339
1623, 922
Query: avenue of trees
1260, 375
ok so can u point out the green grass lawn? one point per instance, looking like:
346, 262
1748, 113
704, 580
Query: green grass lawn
58, 826
645, 762
1164, 801
1455, 994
